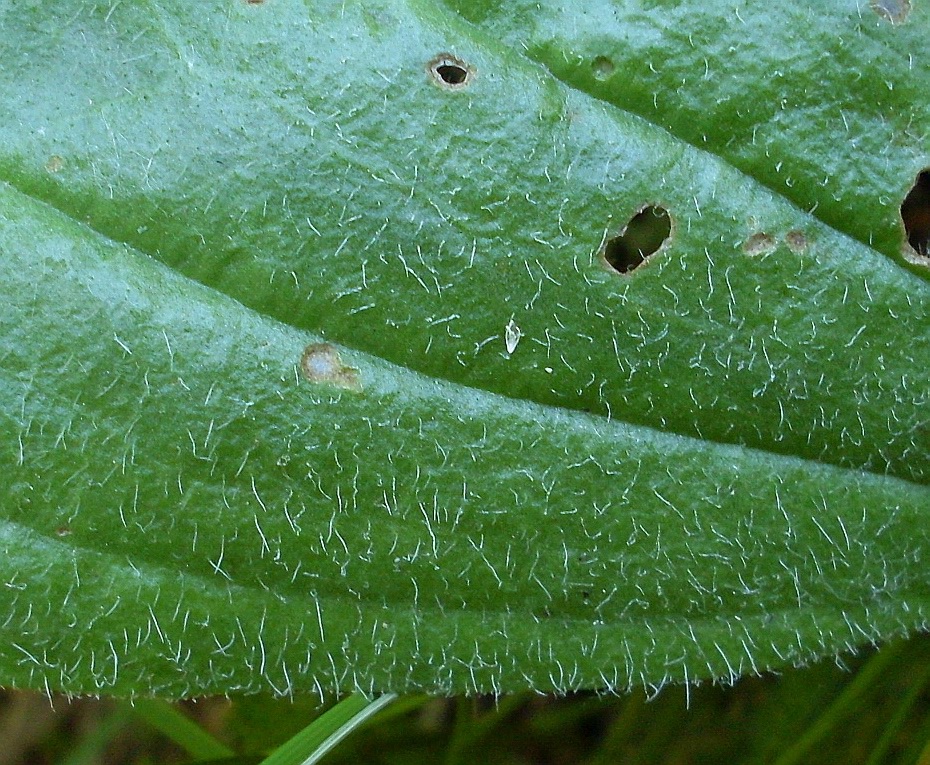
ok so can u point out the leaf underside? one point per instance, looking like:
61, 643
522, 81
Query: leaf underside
314, 376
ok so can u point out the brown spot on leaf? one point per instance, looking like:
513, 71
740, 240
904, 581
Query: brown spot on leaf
603, 68
895, 11
796, 241
321, 363
759, 244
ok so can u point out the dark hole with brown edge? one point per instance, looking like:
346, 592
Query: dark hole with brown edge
915, 213
646, 232
450, 71
452, 74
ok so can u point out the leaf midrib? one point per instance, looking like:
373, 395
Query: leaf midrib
565, 411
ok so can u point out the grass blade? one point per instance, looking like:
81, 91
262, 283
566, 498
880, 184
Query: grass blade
91, 747
320, 736
181, 729
844, 705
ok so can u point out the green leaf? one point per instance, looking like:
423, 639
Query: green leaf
820, 102
315, 375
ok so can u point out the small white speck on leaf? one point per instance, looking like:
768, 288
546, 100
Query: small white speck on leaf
512, 335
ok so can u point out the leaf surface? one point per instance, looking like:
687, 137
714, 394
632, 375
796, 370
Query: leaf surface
314, 375
820, 102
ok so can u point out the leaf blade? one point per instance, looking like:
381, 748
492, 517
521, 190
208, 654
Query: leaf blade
769, 90
810, 348
204, 503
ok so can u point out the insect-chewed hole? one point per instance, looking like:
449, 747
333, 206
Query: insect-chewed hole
915, 214
450, 71
646, 232
452, 74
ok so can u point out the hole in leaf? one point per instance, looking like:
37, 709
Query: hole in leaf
452, 74
646, 232
915, 213
450, 71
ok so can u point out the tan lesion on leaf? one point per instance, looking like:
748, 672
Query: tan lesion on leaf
322, 364
759, 243
796, 241
895, 11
